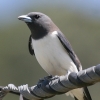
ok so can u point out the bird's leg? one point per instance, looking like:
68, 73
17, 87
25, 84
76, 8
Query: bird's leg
49, 77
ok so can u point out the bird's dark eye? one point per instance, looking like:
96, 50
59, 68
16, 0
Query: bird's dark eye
36, 16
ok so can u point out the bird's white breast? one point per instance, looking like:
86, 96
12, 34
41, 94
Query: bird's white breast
52, 56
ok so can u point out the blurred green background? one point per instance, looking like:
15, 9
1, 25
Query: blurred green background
78, 20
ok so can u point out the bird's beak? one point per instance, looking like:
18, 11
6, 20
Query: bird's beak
25, 18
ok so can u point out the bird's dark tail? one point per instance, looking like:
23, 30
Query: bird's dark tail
87, 94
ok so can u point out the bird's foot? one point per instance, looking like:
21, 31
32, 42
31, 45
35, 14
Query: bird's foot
43, 79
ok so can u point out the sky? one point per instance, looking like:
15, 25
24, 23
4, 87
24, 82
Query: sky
9, 8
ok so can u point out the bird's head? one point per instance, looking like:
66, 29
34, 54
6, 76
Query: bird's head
39, 24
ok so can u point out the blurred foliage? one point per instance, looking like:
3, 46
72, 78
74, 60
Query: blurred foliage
19, 67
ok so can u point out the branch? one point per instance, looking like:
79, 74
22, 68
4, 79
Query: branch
51, 86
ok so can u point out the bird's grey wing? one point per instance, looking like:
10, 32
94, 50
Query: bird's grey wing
69, 49
75, 59
31, 50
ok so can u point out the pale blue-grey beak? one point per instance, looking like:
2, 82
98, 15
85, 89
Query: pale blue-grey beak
25, 18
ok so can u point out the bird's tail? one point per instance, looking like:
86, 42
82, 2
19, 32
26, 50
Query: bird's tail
80, 94
87, 95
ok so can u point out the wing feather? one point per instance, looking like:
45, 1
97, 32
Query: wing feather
31, 50
69, 49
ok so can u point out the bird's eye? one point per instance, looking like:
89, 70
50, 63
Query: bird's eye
36, 16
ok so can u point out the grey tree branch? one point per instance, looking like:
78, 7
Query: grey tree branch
51, 86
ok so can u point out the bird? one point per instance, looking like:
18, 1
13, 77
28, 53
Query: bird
52, 49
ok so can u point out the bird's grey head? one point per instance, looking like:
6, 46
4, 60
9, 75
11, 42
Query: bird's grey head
39, 24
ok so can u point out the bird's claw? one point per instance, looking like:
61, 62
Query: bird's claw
48, 77
43, 79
